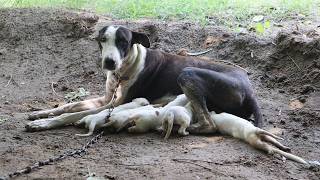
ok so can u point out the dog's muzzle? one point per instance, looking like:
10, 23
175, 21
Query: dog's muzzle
109, 64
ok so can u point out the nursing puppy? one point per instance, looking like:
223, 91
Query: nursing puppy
178, 115
97, 121
117, 119
152, 119
242, 129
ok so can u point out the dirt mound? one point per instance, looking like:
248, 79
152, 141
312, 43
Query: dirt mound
45, 54
294, 63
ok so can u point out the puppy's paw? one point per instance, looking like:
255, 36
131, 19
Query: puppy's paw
78, 123
184, 133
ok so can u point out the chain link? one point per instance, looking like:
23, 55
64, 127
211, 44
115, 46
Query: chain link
74, 153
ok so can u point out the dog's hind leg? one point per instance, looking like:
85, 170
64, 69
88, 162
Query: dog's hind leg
191, 87
257, 143
289, 156
264, 132
275, 143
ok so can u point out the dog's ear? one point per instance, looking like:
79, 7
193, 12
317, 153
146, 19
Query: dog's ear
140, 38
100, 33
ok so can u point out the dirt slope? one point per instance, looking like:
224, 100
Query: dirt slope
44, 50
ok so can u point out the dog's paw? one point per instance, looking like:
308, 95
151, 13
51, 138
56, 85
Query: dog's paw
37, 115
38, 125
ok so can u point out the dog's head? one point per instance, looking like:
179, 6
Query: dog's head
115, 43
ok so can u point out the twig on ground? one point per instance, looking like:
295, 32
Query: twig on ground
9, 81
143, 164
233, 64
54, 91
198, 53
204, 167
293, 61
186, 159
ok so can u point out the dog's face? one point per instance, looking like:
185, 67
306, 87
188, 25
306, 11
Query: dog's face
115, 43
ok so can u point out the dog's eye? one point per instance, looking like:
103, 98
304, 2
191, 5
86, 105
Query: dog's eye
103, 39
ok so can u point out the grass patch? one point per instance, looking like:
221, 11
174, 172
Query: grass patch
203, 11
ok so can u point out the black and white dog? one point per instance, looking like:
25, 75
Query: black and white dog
154, 75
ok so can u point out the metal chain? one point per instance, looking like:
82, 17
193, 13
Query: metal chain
114, 96
74, 153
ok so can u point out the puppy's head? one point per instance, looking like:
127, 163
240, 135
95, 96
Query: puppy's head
115, 43
141, 101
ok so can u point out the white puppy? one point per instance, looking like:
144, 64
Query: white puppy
96, 121
179, 115
152, 119
242, 129
118, 120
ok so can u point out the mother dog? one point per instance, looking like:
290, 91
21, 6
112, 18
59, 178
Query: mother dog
153, 74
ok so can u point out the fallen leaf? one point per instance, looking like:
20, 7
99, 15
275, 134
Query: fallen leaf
182, 52
211, 41
296, 104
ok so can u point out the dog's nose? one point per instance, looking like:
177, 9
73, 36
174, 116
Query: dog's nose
109, 64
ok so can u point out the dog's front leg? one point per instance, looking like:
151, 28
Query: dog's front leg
69, 108
65, 119
111, 84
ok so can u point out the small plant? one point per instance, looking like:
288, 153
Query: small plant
260, 28
77, 95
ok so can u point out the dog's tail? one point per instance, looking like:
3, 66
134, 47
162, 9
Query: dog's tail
256, 112
261, 131
290, 156
167, 123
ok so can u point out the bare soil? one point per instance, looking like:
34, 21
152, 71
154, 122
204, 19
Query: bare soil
42, 51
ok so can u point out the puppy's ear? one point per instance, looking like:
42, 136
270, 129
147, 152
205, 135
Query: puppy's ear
140, 38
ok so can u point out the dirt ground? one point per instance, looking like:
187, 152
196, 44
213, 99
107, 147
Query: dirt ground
42, 50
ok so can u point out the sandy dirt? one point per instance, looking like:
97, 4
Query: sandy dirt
42, 50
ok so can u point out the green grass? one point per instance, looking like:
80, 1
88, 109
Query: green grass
223, 11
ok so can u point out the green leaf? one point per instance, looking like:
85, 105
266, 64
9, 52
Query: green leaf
267, 24
259, 28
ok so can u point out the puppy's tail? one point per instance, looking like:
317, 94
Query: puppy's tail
256, 112
261, 131
290, 156
91, 129
168, 122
